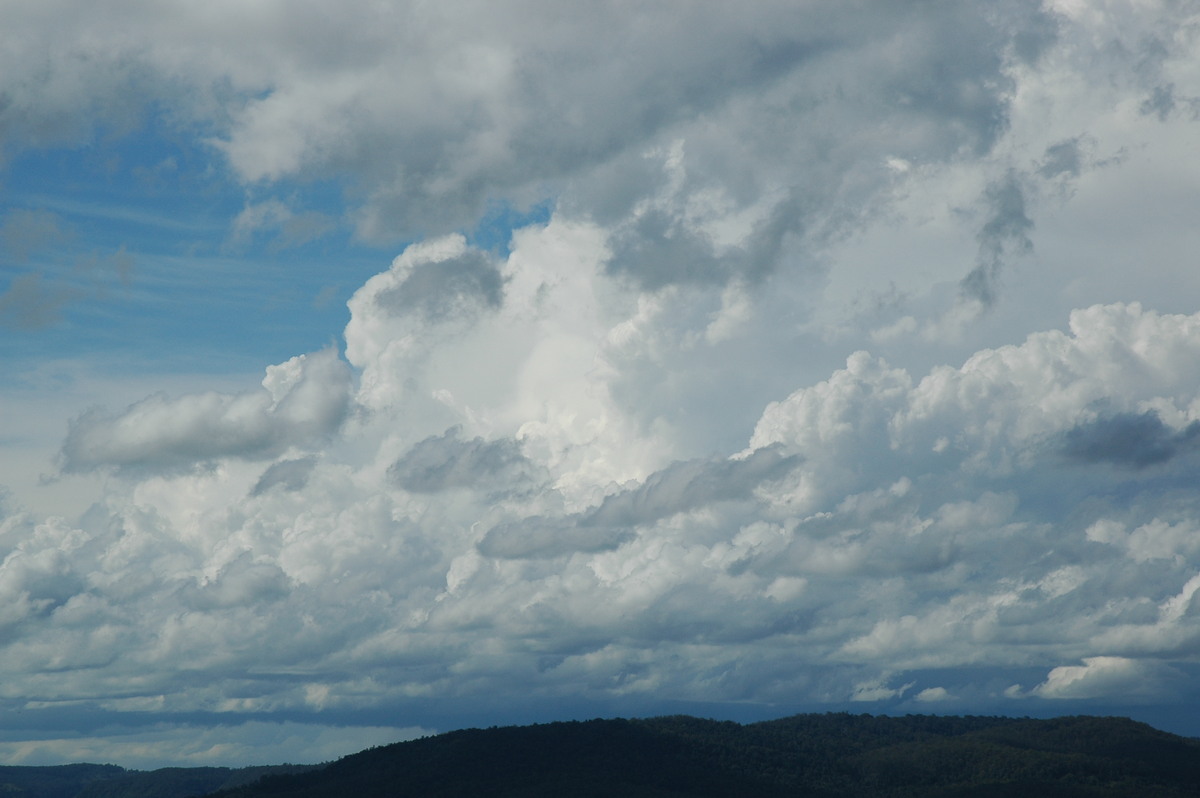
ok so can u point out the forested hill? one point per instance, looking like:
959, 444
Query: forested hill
811, 755
110, 781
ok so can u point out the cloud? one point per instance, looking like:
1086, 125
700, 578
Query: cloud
46, 242
933, 695
878, 691
723, 425
285, 474
1107, 676
433, 287
1161, 102
440, 290
542, 538
273, 217
690, 485
876, 523
431, 116
32, 303
301, 401
1136, 440
1003, 236
445, 462
1062, 158
25, 232
680, 488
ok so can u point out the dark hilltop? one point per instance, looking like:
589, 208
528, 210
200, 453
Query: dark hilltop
808, 755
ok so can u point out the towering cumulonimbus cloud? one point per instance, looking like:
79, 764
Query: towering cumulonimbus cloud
996, 514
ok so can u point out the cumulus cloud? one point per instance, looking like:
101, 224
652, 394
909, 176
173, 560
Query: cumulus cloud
443, 289
285, 474
445, 462
690, 485
431, 115
301, 401
681, 487
879, 522
540, 538
1107, 676
933, 694
1136, 440
641, 452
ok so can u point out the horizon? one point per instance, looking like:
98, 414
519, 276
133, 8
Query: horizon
372, 369
427, 733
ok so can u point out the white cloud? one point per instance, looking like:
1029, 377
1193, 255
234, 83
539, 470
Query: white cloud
462, 565
301, 401
1106, 677
434, 112
878, 691
933, 695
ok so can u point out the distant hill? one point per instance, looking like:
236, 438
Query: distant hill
827, 756
110, 781
62, 781
811, 755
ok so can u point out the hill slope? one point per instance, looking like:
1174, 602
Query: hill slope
817, 755
110, 781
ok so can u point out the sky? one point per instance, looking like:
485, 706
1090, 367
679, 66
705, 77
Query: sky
376, 369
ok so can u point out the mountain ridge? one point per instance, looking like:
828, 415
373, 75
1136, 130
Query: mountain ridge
833, 755
819, 755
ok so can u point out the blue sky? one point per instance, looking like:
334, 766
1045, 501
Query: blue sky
208, 292
388, 368
193, 291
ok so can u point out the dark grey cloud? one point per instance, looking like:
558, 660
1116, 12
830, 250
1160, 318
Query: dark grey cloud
778, 99
1003, 236
1136, 440
796, 103
657, 251
445, 461
443, 290
1160, 103
1164, 101
824, 170
678, 488
540, 538
692, 484
240, 583
1062, 159
290, 475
